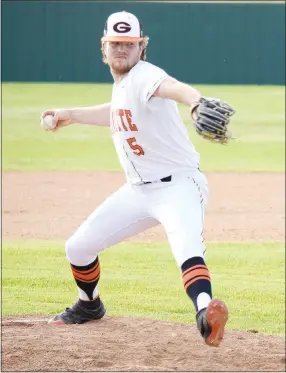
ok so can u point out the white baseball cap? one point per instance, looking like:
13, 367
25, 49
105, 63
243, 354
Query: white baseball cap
122, 26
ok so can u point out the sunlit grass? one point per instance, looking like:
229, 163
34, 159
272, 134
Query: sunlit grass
143, 280
258, 124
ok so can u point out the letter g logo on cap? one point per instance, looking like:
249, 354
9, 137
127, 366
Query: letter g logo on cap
121, 27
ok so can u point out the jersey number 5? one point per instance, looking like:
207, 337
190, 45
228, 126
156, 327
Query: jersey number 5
137, 148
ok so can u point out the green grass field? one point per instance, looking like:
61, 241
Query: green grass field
258, 124
36, 276
38, 280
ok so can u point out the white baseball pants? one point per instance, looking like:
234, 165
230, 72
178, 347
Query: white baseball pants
178, 205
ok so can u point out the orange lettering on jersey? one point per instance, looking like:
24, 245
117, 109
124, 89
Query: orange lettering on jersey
120, 114
121, 121
128, 115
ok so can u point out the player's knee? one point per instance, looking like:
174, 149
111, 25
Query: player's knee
72, 250
80, 251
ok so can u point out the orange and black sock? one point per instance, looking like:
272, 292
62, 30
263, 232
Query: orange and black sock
196, 278
87, 277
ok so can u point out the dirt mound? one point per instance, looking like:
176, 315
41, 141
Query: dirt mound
51, 205
132, 344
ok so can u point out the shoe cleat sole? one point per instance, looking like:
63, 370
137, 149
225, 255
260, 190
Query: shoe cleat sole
217, 316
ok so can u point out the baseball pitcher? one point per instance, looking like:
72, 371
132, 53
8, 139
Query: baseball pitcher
164, 184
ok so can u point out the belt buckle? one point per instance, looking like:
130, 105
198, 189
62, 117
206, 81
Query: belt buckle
166, 179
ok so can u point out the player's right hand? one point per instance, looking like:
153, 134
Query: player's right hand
62, 117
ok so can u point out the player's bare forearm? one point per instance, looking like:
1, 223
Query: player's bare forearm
180, 92
97, 115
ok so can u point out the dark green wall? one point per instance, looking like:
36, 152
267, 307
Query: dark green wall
197, 43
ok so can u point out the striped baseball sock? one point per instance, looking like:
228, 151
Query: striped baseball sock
86, 278
197, 282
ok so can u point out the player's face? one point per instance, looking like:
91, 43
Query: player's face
122, 56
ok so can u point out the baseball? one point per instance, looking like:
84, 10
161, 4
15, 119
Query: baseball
47, 122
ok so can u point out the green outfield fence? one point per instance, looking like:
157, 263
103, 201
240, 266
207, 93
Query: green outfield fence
206, 43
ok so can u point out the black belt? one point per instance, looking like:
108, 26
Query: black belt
164, 180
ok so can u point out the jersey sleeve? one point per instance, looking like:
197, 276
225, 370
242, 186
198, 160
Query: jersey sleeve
151, 77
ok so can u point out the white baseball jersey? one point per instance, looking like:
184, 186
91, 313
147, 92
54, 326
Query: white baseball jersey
152, 143
150, 138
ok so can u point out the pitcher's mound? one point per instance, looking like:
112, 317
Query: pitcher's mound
132, 344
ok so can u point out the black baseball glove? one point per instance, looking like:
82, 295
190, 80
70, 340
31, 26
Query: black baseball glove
211, 119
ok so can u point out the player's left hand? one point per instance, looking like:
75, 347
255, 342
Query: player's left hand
211, 119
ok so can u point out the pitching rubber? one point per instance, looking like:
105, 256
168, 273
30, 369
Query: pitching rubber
56, 322
217, 315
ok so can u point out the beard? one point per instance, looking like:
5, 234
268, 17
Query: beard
121, 66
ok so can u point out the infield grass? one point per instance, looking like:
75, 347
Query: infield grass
143, 280
259, 124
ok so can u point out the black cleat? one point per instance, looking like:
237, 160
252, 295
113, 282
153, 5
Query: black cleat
78, 314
